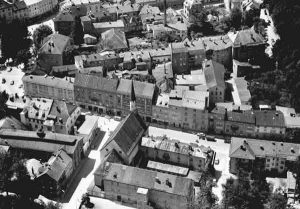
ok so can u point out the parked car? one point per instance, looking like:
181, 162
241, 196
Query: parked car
211, 138
201, 135
3, 80
217, 162
12, 83
117, 118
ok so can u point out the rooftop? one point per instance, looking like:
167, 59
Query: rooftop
114, 39
64, 83
64, 17
190, 80
251, 148
146, 179
54, 44
167, 168
88, 124
39, 108
217, 42
214, 74
269, 118
195, 99
113, 24
141, 89
163, 100
246, 37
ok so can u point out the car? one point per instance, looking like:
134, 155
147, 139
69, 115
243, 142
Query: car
210, 138
10, 69
217, 162
21, 86
3, 80
200, 134
117, 118
107, 117
12, 83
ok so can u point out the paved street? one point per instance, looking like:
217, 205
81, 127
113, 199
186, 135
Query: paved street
221, 149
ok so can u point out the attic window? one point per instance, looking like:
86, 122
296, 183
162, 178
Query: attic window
292, 150
243, 148
115, 175
262, 148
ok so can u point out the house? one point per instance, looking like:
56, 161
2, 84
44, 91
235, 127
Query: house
214, 76
191, 8
101, 27
144, 188
269, 123
173, 152
51, 52
90, 132
150, 15
11, 123
137, 59
159, 55
40, 7
243, 69
191, 81
271, 156
53, 176
247, 45
240, 93
219, 49
126, 138
54, 115
89, 40
64, 23
41, 144
49, 87
114, 40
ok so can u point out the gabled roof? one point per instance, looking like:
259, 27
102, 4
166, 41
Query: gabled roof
11, 123
62, 110
246, 37
95, 82
141, 89
269, 118
128, 133
114, 39
147, 179
250, 148
214, 74
54, 44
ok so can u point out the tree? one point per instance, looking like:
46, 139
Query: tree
277, 201
77, 32
52, 205
3, 106
39, 34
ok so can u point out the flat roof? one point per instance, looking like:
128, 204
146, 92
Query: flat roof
167, 168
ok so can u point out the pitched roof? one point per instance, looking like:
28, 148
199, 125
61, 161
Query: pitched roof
214, 74
115, 24
62, 110
11, 123
269, 118
246, 37
96, 82
141, 89
64, 83
250, 148
54, 44
114, 39
64, 17
146, 179
51, 142
217, 42
241, 117
128, 133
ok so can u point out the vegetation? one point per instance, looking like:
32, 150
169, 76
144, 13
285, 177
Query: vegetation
277, 201
15, 38
3, 107
39, 34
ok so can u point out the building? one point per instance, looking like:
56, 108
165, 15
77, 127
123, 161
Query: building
89, 40
219, 49
101, 27
180, 59
150, 14
114, 40
144, 188
11, 123
53, 115
271, 156
137, 59
51, 52
173, 152
37, 8
240, 93
64, 23
269, 123
126, 138
145, 96
191, 8
64, 70
214, 76
42, 144
160, 55
247, 45
49, 87
243, 69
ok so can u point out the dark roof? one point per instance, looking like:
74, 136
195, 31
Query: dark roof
128, 133
269, 118
132, 94
242, 117
64, 17
141, 89
147, 179
95, 82
11, 123
214, 74
250, 148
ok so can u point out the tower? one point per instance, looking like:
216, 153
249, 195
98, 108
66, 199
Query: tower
132, 98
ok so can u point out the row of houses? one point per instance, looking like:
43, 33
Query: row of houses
25, 10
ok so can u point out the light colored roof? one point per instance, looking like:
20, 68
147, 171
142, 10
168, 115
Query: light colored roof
39, 108
89, 36
146, 179
251, 148
194, 99
88, 124
187, 45
54, 44
190, 80
292, 122
217, 43
175, 147
291, 180
230, 106
32, 2
51, 142
114, 24
139, 56
63, 83
163, 100
167, 168
246, 37
163, 70
114, 39
287, 111
214, 74
241, 94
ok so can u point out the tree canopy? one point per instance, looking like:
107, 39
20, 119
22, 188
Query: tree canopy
40, 33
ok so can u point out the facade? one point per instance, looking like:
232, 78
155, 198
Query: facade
49, 87
51, 52
264, 155
44, 143
247, 45
214, 76
177, 153
64, 23
39, 7
126, 138
144, 188
219, 49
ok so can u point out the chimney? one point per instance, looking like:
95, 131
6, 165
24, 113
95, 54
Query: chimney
157, 180
168, 183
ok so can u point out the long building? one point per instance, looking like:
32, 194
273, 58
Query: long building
144, 188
